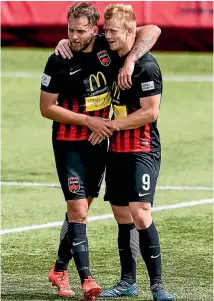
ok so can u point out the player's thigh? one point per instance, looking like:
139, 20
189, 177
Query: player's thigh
122, 214
71, 169
117, 181
144, 179
96, 167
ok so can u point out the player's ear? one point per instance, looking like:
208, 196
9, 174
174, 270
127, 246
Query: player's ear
129, 31
95, 30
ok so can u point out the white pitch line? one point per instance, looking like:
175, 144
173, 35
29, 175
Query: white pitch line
184, 188
28, 184
177, 78
188, 78
166, 187
106, 216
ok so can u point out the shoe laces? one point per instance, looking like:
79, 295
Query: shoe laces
157, 288
121, 284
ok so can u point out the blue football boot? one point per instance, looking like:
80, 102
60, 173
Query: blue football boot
159, 294
121, 289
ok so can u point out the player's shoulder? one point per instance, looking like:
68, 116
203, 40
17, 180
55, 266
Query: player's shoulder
147, 63
57, 60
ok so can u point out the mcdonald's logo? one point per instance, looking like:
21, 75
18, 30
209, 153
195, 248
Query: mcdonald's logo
115, 90
96, 80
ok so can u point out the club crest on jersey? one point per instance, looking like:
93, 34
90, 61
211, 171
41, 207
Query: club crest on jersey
73, 184
104, 58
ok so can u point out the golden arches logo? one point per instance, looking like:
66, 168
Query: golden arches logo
97, 80
116, 90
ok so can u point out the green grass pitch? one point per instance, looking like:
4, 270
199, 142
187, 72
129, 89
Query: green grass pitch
185, 125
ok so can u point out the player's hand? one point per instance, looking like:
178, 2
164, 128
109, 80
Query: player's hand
101, 126
64, 49
95, 139
125, 75
112, 124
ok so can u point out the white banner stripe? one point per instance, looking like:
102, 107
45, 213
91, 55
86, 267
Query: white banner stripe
177, 78
165, 187
106, 216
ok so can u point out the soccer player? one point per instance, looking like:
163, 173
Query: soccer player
82, 88
133, 160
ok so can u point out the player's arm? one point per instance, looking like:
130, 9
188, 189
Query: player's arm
148, 113
50, 110
146, 38
148, 87
63, 48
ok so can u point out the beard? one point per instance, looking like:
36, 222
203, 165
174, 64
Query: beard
81, 46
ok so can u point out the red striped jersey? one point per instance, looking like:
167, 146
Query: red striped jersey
83, 85
146, 81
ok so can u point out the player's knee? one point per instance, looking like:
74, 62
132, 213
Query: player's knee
123, 218
142, 217
77, 210
77, 217
122, 215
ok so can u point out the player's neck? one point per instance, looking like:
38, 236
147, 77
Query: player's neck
90, 46
127, 47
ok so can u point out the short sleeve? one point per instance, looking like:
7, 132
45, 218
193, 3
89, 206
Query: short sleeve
52, 76
149, 81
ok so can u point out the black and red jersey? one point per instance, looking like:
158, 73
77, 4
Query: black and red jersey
83, 85
146, 81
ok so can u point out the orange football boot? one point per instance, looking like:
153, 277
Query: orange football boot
90, 289
60, 279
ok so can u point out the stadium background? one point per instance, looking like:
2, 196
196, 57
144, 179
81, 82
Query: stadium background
29, 187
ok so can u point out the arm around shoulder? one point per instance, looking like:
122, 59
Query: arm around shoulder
146, 38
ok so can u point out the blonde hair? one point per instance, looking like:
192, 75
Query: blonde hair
123, 13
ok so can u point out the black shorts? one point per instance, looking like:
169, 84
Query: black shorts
131, 177
80, 167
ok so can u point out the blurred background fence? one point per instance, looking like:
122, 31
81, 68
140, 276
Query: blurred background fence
186, 25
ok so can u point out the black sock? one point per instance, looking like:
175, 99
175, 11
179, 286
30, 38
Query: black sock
128, 245
150, 251
64, 251
79, 244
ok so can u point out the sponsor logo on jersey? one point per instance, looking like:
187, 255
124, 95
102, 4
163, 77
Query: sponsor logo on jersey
46, 80
148, 86
104, 58
119, 112
96, 80
101, 100
98, 102
115, 91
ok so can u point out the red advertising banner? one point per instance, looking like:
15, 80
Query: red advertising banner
47, 20
167, 13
